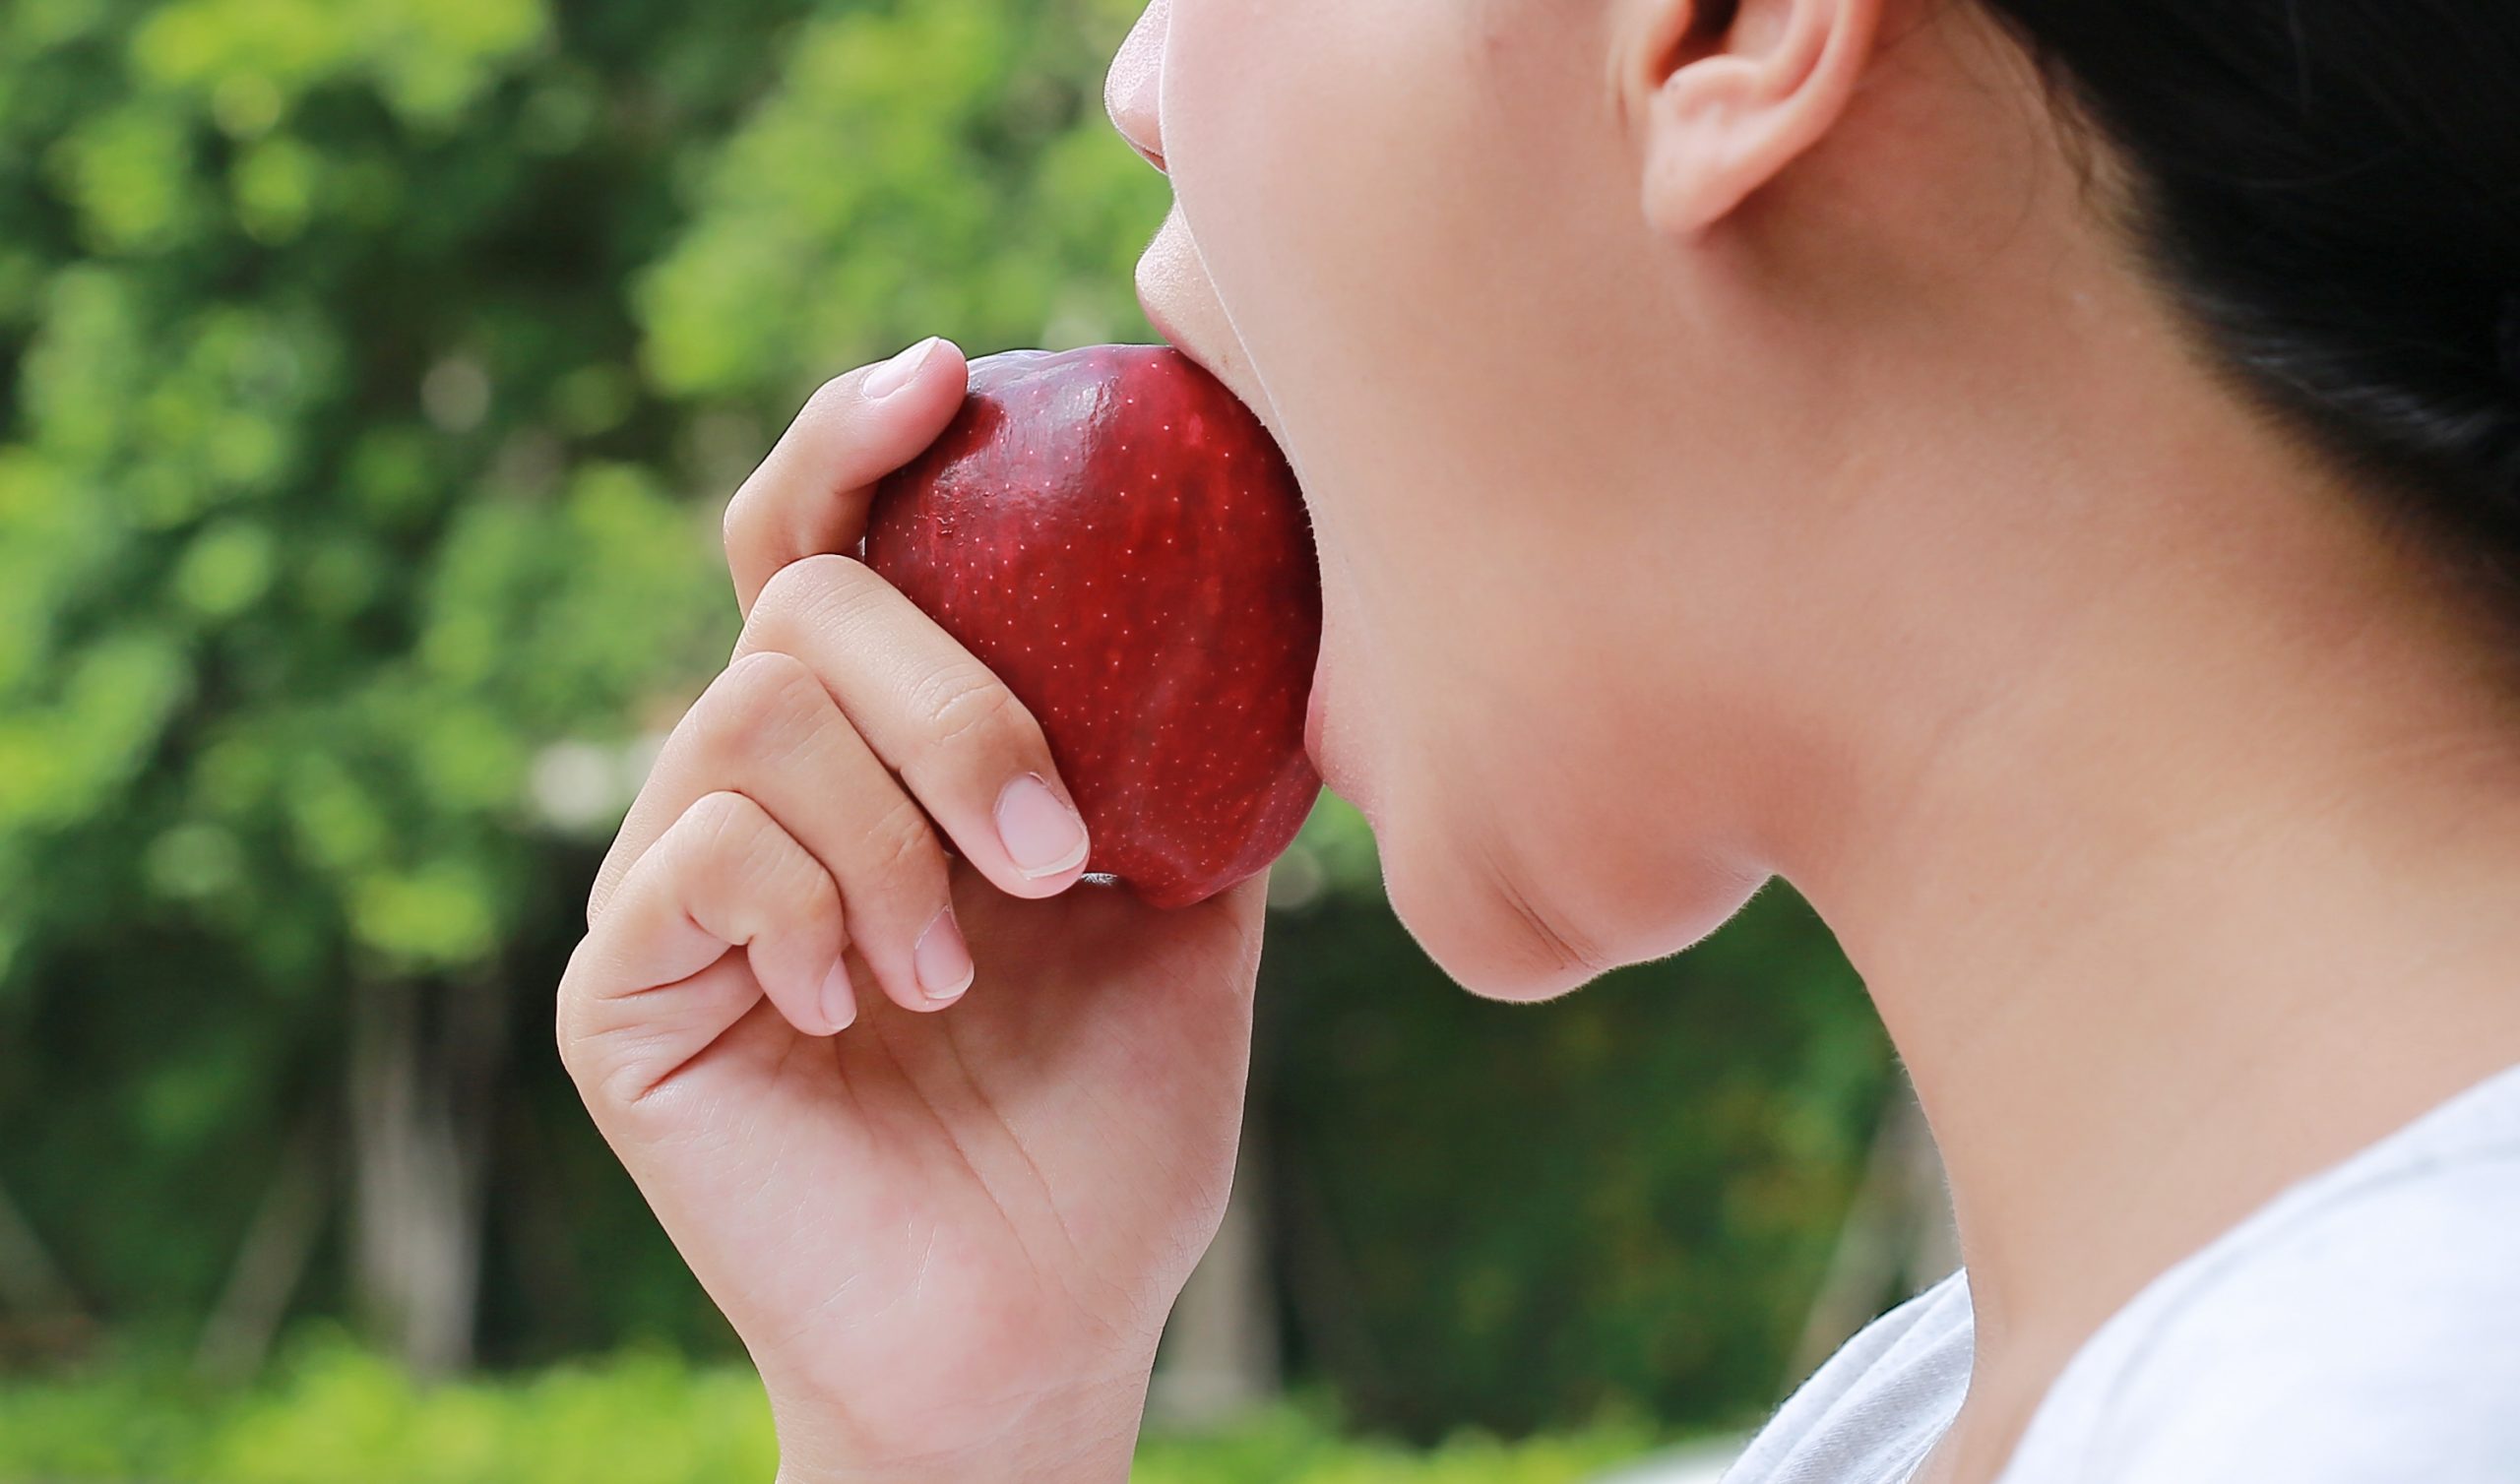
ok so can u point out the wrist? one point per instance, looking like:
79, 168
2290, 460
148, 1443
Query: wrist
1085, 1435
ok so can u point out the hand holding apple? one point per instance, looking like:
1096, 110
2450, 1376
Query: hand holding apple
948, 1227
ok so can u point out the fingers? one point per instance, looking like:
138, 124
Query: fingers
650, 988
958, 740
849, 721
769, 731
810, 495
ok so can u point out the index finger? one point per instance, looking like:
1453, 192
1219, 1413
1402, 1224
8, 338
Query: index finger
810, 495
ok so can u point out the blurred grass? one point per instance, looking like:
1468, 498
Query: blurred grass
337, 1413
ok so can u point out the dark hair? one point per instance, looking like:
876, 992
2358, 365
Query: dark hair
2331, 190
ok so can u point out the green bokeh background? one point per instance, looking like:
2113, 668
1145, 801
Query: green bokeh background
371, 374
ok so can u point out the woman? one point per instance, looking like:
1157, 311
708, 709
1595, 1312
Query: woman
2041, 475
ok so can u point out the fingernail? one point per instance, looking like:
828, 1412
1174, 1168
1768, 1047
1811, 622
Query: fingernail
1042, 835
840, 1000
901, 370
944, 961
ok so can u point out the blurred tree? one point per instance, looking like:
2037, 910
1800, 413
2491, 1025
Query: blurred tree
326, 513
1529, 1215
340, 531
943, 164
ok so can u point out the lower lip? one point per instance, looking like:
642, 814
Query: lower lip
1163, 327
1312, 720
1315, 726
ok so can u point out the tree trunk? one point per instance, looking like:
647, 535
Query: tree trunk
270, 1263
1219, 1355
31, 1282
422, 1071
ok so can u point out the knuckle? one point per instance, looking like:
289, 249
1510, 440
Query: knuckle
580, 1046
568, 1015
762, 870
597, 1045
765, 700
827, 410
808, 889
781, 597
897, 847
736, 521
968, 706
725, 826
807, 593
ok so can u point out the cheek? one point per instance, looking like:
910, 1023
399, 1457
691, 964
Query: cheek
1317, 156
1351, 173
1403, 208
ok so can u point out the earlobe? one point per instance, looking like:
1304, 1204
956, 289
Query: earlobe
1729, 95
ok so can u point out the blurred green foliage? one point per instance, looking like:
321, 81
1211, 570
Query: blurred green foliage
1524, 1213
337, 1414
370, 375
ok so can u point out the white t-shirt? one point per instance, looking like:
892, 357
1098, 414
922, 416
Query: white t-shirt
2362, 1328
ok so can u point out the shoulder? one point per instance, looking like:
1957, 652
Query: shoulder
2374, 1337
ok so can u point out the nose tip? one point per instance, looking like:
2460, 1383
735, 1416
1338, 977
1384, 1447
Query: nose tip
1135, 84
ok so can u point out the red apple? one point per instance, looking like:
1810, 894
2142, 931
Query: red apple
1118, 538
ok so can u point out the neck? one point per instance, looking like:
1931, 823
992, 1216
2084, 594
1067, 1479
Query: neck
2189, 875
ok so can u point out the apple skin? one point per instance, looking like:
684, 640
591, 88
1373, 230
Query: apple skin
1115, 536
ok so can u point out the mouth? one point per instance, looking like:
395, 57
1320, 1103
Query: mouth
1324, 753
1314, 724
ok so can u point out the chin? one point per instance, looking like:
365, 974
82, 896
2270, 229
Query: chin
1485, 937
1501, 940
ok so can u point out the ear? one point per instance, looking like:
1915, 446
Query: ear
1728, 92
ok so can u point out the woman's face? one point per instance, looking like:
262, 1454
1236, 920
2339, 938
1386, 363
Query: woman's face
1410, 234
1602, 348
